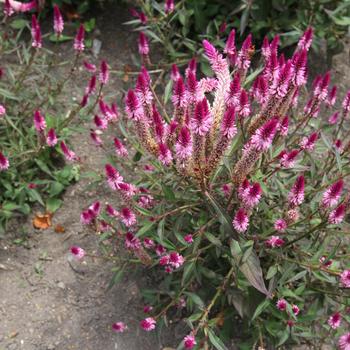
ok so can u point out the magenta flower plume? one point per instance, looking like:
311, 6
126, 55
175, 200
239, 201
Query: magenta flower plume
281, 304
274, 44
274, 242
114, 179
202, 120
189, 341
100, 123
148, 324
241, 221
346, 104
36, 33
243, 188
4, 162
263, 137
95, 137
300, 67
169, 6
243, 57
306, 40
332, 194
159, 127
58, 23
133, 107
175, 74
2, 110
334, 321
232, 97
191, 67
288, 159
283, 126
164, 154
265, 48
68, 153
104, 73
51, 138
281, 84
296, 194
119, 327
244, 105
333, 119
111, 211
179, 97
321, 89
127, 217
218, 64
77, 252
228, 128
332, 96
230, 48
143, 44
89, 66
344, 342
143, 90
8, 10
280, 225
183, 146
252, 195
192, 87
79, 45
84, 101
345, 278
308, 143
90, 89
336, 216
39, 122
120, 149
132, 242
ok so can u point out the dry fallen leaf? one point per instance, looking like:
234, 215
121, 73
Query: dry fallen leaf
59, 229
42, 221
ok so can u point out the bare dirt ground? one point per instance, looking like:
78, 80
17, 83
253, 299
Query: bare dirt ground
47, 305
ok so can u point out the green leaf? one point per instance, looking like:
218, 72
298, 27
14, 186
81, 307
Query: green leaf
53, 204
35, 196
118, 275
18, 23
160, 230
145, 228
61, 39
216, 341
250, 267
55, 189
211, 238
168, 192
187, 274
261, 308
196, 299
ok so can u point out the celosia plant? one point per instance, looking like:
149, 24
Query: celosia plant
34, 124
239, 202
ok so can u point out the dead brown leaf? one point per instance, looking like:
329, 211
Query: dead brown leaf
59, 229
42, 221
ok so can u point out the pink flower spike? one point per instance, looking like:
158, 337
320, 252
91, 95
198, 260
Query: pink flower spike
89, 66
274, 242
114, 179
226, 190
90, 89
338, 144
281, 304
334, 321
280, 225
288, 159
243, 188
51, 138
283, 127
344, 342
133, 107
8, 10
36, 33
337, 215
100, 123
128, 218
176, 260
175, 74
104, 73
95, 137
147, 309
183, 146
148, 243
346, 104
68, 154
189, 341
308, 143
332, 194
132, 242
188, 239
79, 45
84, 100
333, 119
296, 194
306, 40
58, 23
179, 97
241, 221
201, 121
263, 137
120, 148
281, 84
77, 253
164, 156
148, 324
252, 195
345, 278
265, 49
244, 105
39, 122
332, 96
169, 6
295, 309
119, 327
2, 110
4, 162
143, 44
192, 67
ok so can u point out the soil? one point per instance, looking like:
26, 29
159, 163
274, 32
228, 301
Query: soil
48, 304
